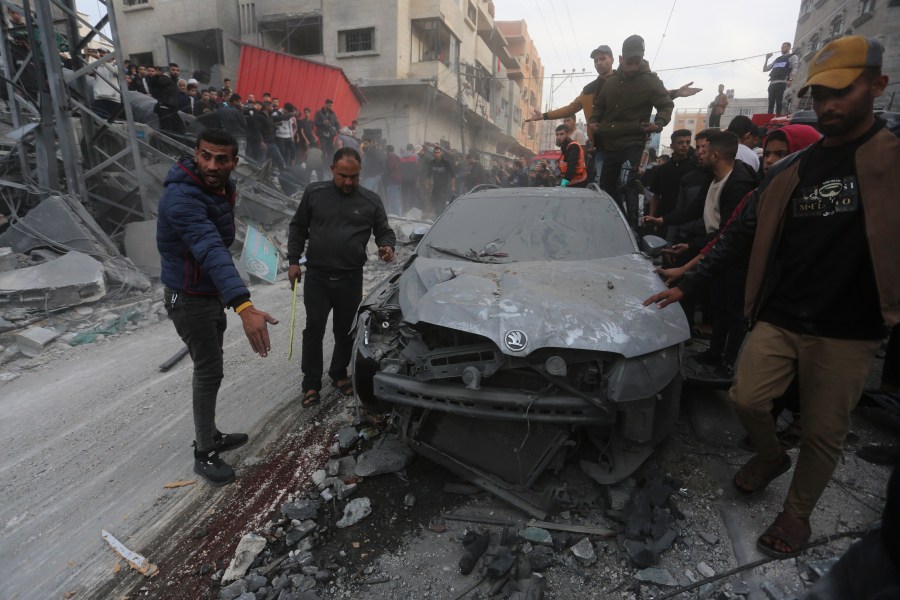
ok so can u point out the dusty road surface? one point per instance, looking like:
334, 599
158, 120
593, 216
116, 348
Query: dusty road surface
92, 437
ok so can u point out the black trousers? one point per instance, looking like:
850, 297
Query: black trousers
620, 169
323, 293
200, 322
729, 326
776, 96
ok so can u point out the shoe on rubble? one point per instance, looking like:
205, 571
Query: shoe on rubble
208, 465
229, 441
708, 357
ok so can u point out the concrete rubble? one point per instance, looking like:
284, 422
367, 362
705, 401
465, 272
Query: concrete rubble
247, 550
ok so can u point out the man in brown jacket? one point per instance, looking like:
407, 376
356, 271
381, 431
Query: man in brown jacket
620, 118
822, 280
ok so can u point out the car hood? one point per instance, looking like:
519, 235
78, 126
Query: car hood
588, 305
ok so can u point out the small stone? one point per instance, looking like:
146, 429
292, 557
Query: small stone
309, 570
347, 437
247, 550
233, 591
299, 532
254, 582
344, 490
584, 551
246, 596
820, 567
657, 576
301, 510
740, 587
709, 538
409, 500
706, 570
536, 535
438, 528
346, 465
332, 467
565, 515
323, 575
319, 476
541, 558
355, 511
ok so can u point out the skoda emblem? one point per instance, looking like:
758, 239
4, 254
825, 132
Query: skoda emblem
516, 340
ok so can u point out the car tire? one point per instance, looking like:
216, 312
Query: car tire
364, 370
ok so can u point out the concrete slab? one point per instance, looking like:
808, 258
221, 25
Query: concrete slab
32, 342
8, 259
140, 246
72, 279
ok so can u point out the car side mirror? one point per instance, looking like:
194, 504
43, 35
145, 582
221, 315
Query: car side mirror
652, 245
418, 233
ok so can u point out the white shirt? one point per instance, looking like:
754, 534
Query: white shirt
578, 136
712, 214
748, 156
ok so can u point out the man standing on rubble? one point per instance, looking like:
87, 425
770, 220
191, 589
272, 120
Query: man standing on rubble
164, 87
821, 234
337, 218
621, 116
194, 230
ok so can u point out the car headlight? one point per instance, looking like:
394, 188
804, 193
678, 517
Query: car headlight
642, 376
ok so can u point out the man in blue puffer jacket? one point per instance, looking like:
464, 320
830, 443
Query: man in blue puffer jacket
194, 230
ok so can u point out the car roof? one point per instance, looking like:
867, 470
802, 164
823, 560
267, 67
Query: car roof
540, 192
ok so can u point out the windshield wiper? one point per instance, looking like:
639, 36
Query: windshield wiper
471, 255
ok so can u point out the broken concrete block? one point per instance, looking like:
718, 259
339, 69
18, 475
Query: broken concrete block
355, 511
247, 550
233, 591
71, 279
301, 510
541, 558
8, 259
32, 342
706, 570
657, 576
584, 552
388, 458
319, 476
254, 582
536, 535
300, 531
344, 490
347, 437
140, 246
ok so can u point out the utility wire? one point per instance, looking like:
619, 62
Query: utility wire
666, 29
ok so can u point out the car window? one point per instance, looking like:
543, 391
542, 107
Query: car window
497, 227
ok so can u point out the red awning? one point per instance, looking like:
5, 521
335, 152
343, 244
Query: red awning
302, 82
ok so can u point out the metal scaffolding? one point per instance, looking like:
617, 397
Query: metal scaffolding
100, 156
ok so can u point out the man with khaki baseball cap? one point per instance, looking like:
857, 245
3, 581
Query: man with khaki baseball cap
822, 280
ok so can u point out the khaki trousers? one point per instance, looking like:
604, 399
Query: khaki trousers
831, 374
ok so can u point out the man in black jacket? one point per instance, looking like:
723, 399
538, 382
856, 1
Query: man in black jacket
336, 217
164, 88
327, 126
732, 180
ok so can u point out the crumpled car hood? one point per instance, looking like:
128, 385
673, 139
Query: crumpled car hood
587, 305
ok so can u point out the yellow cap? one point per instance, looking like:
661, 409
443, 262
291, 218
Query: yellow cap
841, 61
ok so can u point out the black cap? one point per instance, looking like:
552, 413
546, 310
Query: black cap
602, 49
633, 46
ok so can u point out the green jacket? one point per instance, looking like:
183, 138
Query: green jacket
625, 103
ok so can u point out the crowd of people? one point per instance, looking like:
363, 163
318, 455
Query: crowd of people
797, 252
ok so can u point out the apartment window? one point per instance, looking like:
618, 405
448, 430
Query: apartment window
300, 35
357, 40
746, 111
836, 25
806, 7
472, 13
248, 18
129, 3
504, 105
866, 6
145, 59
434, 41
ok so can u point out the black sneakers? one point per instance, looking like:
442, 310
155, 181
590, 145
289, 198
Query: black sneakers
212, 468
229, 441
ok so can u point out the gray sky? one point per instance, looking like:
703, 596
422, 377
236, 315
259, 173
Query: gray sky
700, 32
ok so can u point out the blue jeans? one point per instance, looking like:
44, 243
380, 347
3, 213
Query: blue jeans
393, 197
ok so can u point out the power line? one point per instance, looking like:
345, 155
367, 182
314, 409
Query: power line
665, 30
552, 37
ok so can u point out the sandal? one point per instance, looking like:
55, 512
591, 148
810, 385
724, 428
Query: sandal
345, 386
793, 532
311, 397
757, 474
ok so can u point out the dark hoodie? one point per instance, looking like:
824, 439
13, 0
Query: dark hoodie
194, 230
625, 103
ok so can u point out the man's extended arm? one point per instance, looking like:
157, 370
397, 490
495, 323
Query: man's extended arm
570, 110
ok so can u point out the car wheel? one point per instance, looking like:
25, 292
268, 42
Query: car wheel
364, 370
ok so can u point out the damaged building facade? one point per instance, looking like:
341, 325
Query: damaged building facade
441, 71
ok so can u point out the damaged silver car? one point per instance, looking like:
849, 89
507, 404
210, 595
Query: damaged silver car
517, 326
